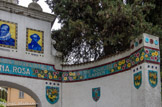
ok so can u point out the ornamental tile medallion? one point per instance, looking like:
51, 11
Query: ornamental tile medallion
153, 78
8, 34
52, 94
137, 79
35, 41
96, 94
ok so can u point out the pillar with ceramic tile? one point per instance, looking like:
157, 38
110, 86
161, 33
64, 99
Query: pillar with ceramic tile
146, 84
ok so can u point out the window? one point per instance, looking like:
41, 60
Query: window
21, 94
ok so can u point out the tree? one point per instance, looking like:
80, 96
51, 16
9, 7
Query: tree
92, 29
155, 14
3, 97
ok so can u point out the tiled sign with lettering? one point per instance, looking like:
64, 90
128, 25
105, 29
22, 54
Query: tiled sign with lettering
45, 71
27, 69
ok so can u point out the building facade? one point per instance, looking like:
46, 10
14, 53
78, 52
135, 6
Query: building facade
17, 98
29, 62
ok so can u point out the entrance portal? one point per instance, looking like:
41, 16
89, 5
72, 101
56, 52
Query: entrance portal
35, 103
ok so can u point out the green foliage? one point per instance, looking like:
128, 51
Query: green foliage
2, 100
1, 105
92, 29
155, 15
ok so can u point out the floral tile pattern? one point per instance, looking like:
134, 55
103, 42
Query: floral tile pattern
152, 55
143, 54
48, 72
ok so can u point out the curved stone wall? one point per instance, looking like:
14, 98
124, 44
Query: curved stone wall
144, 54
130, 79
44, 71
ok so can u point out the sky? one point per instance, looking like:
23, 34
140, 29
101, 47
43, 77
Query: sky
45, 8
40, 2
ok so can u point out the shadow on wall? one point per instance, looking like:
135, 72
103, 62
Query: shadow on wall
22, 88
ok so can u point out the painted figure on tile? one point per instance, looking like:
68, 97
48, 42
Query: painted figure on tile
34, 43
96, 94
5, 36
153, 78
137, 79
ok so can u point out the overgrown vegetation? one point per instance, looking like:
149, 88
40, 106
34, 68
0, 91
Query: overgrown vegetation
92, 29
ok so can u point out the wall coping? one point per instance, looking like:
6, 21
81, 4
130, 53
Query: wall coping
20, 10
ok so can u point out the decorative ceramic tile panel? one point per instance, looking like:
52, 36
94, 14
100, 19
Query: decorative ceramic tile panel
96, 93
8, 34
143, 54
47, 74
137, 79
28, 69
153, 78
35, 41
152, 55
45, 71
52, 94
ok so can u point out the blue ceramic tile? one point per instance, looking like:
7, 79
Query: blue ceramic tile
146, 40
156, 42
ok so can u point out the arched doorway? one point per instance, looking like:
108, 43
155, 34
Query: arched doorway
22, 88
